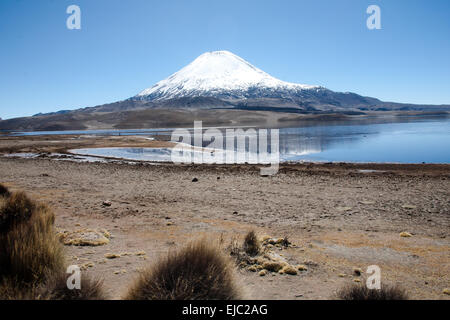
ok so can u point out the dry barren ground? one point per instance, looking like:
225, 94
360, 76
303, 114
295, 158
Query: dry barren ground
338, 216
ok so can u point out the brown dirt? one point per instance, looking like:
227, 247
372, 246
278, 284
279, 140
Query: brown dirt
338, 216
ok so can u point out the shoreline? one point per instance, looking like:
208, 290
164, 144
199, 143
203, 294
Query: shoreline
362, 167
261, 119
61, 145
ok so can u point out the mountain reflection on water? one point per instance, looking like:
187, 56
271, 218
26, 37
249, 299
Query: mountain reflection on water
422, 140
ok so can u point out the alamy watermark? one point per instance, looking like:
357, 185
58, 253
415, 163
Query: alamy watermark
73, 22
74, 280
374, 20
374, 280
237, 146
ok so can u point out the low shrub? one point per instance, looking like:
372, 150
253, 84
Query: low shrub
29, 247
11, 290
361, 292
4, 191
251, 244
199, 271
16, 209
55, 288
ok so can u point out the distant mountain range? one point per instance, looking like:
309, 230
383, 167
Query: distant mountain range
221, 89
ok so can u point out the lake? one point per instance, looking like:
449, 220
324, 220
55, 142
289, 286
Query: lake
412, 141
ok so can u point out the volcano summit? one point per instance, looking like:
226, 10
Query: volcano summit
219, 74
235, 82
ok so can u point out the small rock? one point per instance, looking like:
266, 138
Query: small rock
140, 253
405, 234
446, 291
170, 223
87, 265
252, 269
112, 256
289, 270
84, 237
262, 273
342, 275
356, 280
408, 206
195, 180
358, 271
107, 203
302, 267
235, 212
274, 266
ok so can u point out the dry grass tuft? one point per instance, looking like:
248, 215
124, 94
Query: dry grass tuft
55, 288
31, 255
198, 272
361, 292
273, 266
251, 244
4, 191
11, 290
285, 242
84, 237
16, 209
29, 248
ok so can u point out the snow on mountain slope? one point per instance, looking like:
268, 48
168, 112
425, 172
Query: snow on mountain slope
218, 74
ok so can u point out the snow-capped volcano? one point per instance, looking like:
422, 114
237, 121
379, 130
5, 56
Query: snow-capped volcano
220, 74
221, 89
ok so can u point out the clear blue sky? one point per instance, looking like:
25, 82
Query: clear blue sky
127, 46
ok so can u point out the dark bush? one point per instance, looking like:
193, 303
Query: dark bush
55, 288
16, 209
4, 192
360, 292
251, 244
199, 271
29, 247
11, 290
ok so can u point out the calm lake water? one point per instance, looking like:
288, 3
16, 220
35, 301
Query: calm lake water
416, 141
412, 140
